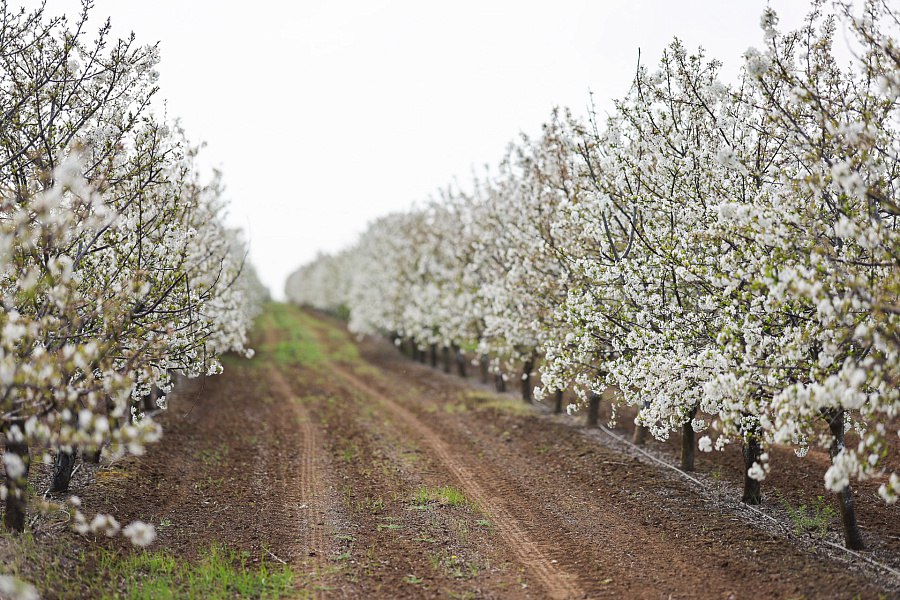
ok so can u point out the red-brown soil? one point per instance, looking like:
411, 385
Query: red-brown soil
334, 465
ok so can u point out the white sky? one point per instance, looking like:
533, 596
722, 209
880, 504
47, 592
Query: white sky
325, 115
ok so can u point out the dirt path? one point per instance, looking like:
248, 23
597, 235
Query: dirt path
585, 519
375, 477
597, 513
309, 494
555, 582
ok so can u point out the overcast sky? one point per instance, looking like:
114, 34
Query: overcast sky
324, 115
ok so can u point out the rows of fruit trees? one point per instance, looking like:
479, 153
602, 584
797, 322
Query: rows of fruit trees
117, 273
725, 254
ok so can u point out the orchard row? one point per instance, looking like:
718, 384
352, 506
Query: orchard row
726, 255
116, 270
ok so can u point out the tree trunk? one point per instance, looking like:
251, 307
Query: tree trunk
558, 407
460, 361
62, 470
527, 368
17, 491
593, 413
500, 382
639, 438
395, 340
485, 364
852, 536
433, 355
91, 455
445, 355
688, 442
751, 451
148, 402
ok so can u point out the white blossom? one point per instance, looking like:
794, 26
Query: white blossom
16, 589
140, 533
705, 444
15, 466
756, 472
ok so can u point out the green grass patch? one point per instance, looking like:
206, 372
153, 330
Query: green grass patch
349, 453
298, 339
304, 339
59, 569
488, 401
219, 573
340, 346
445, 496
812, 518
296, 344
345, 353
213, 457
452, 408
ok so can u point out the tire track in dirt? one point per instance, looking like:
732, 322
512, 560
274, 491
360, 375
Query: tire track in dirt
557, 583
310, 498
309, 506
628, 533
620, 532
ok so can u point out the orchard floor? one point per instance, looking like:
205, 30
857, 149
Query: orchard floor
371, 476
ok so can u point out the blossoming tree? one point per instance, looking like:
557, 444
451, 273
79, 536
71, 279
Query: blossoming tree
115, 268
725, 255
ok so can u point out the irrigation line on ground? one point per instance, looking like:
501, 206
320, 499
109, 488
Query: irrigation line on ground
871, 561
